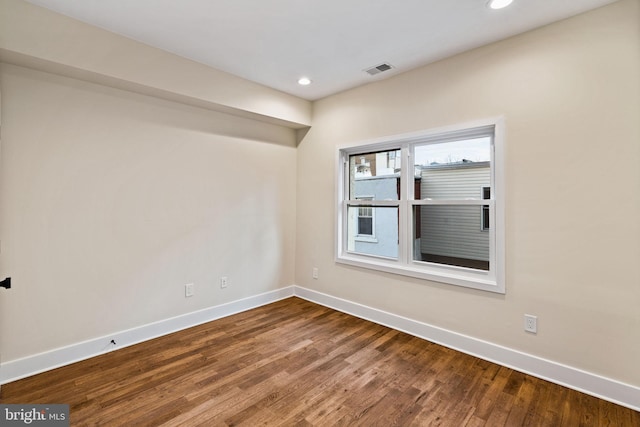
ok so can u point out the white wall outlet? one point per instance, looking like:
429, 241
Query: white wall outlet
531, 323
189, 290
224, 282
314, 272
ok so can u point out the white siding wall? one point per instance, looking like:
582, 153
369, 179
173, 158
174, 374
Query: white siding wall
447, 182
454, 231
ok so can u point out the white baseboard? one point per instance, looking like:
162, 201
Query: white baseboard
16, 369
576, 379
586, 382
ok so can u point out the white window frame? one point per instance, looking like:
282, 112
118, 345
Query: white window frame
491, 280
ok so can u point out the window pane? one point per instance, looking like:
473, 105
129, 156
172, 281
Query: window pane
375, 175
374, 235
365, 226
486, 193
451, 235
485, 217
453, 170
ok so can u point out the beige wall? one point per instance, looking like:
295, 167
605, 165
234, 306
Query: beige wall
570, 96
112, 201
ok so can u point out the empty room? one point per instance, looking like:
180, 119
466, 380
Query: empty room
279, 212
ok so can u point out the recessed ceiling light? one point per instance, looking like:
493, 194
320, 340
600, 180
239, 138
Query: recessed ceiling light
304, 81
499, 4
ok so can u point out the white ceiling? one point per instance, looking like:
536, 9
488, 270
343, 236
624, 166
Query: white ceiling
275, 42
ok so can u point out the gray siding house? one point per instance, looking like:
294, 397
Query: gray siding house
450, 231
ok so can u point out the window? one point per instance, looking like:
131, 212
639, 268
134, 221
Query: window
486, 195
409, 205
372, 227
365, 219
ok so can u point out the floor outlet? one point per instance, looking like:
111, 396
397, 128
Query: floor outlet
189, 290
223, 282
531, 323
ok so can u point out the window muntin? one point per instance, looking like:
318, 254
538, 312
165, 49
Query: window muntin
426, 208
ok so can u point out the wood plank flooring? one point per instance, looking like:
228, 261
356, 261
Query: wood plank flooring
295, 363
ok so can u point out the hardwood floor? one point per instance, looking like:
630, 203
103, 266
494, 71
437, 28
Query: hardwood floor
295, 363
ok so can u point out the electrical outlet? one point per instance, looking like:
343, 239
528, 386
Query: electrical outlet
189, 290
224, 282
531, 323
314, 272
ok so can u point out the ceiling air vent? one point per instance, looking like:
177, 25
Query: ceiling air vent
378, 69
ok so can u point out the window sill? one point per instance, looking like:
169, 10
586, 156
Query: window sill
464, 277
366, 239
